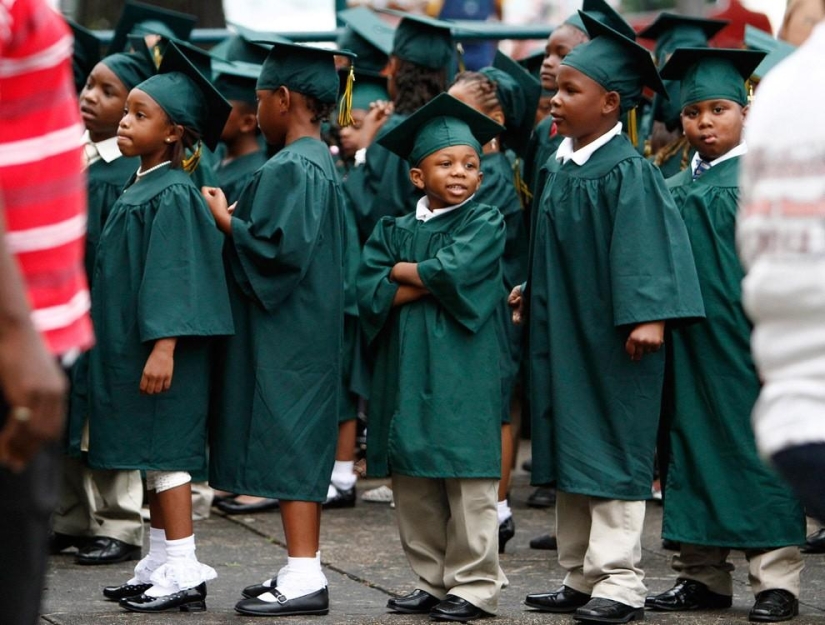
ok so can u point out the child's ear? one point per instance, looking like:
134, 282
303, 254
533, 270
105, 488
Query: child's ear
745, 110
284, 98
611, 102
248, 123
175, 133
417, 177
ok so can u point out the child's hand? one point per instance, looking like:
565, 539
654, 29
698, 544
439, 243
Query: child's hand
516, 303
377, 116
645, 339
157, 374
219, 207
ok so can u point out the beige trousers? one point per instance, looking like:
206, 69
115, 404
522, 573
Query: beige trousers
99, 502
767, 569
449, 531
600, 546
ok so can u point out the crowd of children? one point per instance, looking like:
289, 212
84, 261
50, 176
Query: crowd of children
437, 256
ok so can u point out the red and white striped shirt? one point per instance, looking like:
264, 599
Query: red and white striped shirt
42, 186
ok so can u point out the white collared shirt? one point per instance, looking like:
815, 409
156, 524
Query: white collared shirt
423, 212
106, 149
581, 156
739, 150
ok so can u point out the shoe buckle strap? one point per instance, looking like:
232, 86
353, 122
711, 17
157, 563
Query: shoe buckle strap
280, 597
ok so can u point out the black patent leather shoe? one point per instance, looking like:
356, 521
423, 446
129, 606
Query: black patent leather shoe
561, 601
105, 550
600, 610
189, 600
506, 530
124, 591
454, 608
256, 590
773, 606
417, 602
58, 543
542, 497
688, 594
545, 542
313, 603
815, 543
341, 499
232, 506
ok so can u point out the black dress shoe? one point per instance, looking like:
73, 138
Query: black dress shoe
599, 610
815, 543
671, 545
341, 499
542, 497
417, 602
189, 600
232, 506
688, 594
527, 465
773, 606
560, 601
256, 590
545, 541
58, 543
506, 530
124, 591
456, 609
313, 603
105, 550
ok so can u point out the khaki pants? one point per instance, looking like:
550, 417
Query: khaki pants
600, 546
115, 514
767, 569
449, 531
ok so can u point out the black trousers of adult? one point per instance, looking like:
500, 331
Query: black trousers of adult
803, 468
27, 500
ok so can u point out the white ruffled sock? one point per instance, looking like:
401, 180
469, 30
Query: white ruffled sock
152, 560
181, 569
503, 510
272, 582
343, 476
302, 576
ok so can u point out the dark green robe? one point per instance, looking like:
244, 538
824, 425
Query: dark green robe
436, 393
276, 423
158, 274
719, 492
608, 252
233, 176
543, 144
498, 189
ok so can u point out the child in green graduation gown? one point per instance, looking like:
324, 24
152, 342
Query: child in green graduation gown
610, 262
509, 95
719, 493
159, 295
276, 410
428, 287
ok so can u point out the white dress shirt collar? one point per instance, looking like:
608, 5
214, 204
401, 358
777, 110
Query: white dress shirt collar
739, 150
423, 212
581, 156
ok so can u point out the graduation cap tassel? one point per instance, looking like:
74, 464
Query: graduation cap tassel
157, 56
749, 84
462, 67
190, 164
632, 131
345, 105
524, 195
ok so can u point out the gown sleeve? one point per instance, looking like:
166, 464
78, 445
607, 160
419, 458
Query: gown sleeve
374, 288
465, 276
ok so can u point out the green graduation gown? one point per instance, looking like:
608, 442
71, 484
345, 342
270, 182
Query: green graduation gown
436, 393
275, 425
498, 189
719, 492
233, 176
543, 144
609, 251
158, 274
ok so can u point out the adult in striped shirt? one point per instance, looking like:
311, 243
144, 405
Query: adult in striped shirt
44, 300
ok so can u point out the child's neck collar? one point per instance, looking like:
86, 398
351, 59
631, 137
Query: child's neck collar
140, 173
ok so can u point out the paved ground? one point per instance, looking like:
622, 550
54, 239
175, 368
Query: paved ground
365, 565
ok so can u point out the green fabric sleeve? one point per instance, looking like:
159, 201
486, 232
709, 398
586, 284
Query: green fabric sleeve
374, 288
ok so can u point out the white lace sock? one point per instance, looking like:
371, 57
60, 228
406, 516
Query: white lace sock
503, 510
181, 569
302, 576
343, 477
272, 582
153, 559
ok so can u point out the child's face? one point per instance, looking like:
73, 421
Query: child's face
559, 44
101, 102
578, 108
238, 121
543, 109
714, 127
448, 176
145, 129
349, 135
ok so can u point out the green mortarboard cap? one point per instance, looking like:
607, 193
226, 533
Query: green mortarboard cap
518, 93
245, 45
85, 54
671, 31
305, 69
187, 96
423, 41
366, 88
130, 68
667, 110
615, 62
600, 10
368, 36
712, 73
442, 122
532, 63
236, 81
144, 19
777, 50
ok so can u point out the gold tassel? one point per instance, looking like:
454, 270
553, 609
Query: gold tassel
632, 130
345, 105
158, 57
191, 164
462, 67
749, 86
523, 191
